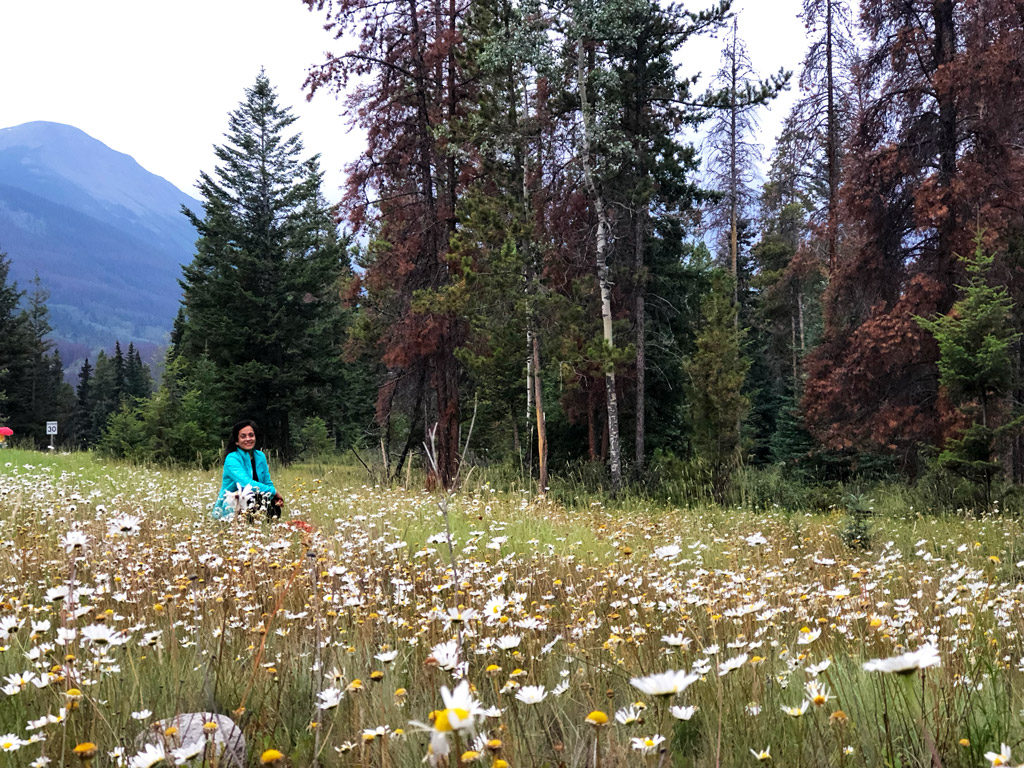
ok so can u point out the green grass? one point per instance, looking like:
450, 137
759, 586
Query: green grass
251, 619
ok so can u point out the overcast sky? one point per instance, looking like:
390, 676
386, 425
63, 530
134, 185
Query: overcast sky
156, 79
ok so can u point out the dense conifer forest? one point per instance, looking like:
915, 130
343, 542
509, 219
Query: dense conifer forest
537, 269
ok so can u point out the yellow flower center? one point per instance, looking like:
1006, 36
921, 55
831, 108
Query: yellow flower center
443, 721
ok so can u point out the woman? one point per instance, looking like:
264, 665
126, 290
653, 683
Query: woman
246, 483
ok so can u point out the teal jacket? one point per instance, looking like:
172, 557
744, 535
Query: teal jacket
238, 474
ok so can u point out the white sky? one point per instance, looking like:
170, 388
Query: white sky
157, 79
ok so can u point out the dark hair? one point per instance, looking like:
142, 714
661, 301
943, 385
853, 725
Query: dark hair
232, 445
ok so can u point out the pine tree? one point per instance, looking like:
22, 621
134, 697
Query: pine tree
120, 371
405, 189
261, 295
734, 154
105, 397
787, 282
138, 382
936, 143
716, 372
825, 112
35, 388
81, 420
976, 370
14, 340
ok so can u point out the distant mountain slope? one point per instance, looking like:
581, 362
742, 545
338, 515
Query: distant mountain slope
105, 235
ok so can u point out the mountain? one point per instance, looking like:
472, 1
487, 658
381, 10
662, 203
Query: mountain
106, 237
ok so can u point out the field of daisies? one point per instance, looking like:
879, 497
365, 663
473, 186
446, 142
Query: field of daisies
389, 627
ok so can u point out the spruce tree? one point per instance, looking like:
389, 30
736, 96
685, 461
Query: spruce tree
717, 371
105, 399
138, 383
82, 431
14, 339
976, 370
33, 385
260, 296
120, 370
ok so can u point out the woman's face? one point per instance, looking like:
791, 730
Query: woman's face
247, 438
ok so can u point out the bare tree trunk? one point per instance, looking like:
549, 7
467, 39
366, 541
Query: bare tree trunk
385, 433
542, 432
800, 317
945, 51
385, 449
832, 142
603, 230
516, 446
529, 376
411, 437
641, 346
734, 183
792, 328
591, 428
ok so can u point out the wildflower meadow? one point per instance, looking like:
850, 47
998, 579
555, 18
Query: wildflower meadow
386, 627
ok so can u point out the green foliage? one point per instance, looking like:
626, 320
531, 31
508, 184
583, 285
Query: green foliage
856, 531
976, 338
791, 444
182, 418
496, 295
261, 298
125, 436
976, 369
117, 382
716, 373
679, 278
32, 387
774, 487
313, 440
178, 425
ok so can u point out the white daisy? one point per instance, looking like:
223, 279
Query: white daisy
925, 656
665, 683
531, 694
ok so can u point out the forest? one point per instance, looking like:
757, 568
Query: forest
536, 270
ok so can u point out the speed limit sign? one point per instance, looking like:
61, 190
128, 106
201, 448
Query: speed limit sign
51, 427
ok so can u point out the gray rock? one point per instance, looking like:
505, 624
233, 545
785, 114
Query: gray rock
228, 739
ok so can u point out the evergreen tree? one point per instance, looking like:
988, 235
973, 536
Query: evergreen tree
825, 112
105, 397
734, 155
14, 340
31, 390
405, 188
261, 295
976, 370
936, 143
138, 382
35, 389
716, 372
81, 420
120, 370
787, 282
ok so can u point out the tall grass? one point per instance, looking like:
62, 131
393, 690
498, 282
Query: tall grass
256, 621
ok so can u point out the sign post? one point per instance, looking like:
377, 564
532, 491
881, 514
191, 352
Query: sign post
51, 430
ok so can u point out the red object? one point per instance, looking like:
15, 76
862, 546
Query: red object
299, 525
6, 431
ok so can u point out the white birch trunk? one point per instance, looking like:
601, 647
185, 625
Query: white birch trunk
603, 230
